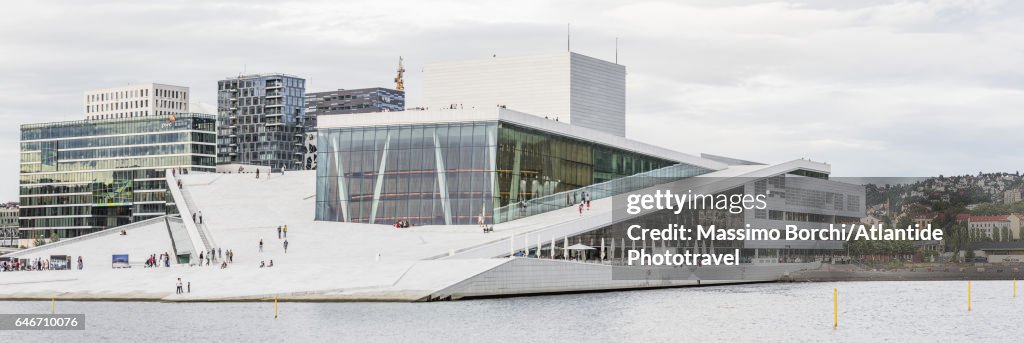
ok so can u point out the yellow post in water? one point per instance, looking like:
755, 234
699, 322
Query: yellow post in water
968, 295
275, 307
835, 308
53, 304
1015, 287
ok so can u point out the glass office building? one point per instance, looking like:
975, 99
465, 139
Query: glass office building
86, 175
455, 172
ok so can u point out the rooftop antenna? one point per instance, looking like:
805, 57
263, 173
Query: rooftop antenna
568, 37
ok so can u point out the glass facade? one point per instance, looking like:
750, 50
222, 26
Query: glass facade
261, 120
453, 173
82, 176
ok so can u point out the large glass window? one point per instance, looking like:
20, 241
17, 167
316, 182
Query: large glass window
454, 173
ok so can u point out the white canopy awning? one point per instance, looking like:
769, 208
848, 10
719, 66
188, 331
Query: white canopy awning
579, 247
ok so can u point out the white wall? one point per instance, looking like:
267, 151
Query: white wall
573, 88
598, 94
537, 85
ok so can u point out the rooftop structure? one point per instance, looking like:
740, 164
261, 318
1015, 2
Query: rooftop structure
132, 101
573, 88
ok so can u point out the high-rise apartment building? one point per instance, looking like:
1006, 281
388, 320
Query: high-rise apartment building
82, 176
260, 120
136, 101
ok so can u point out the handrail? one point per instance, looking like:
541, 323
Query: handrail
182, 204
203, 232
551, 202
92, 235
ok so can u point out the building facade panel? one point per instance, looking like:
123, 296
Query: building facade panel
598, 94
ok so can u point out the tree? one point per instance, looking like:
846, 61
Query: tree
39, 239
54, 237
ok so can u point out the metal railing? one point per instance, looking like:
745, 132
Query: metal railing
526, 208
204, 234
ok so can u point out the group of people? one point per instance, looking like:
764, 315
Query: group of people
200, 217
402, 224
176, 171
216, 254
263, 264
483, 224
258, 172
282, 229
154, 260
585, 202
39, 264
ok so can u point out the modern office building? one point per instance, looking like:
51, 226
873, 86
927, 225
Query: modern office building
453, 166
345, 101
9, 225
348, 101
577, 89
260, 120
136, 101
85, 175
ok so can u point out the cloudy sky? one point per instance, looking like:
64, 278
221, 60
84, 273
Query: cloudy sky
876, 88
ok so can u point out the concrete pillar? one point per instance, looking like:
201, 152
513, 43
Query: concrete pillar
552, 248
565, 248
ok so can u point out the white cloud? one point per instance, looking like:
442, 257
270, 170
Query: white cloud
874, 87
